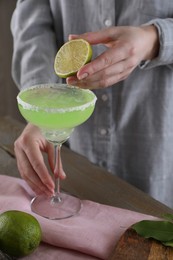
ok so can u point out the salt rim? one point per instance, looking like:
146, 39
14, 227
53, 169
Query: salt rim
28, 106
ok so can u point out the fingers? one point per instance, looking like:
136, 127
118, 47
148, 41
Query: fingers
103, 36
28, 149
112, 56
126, 47
28, 174
58, 171
35, 158
105, 77
107, 69
32, 167
102, 82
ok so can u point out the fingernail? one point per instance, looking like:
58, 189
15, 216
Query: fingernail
63, 175
49, 193
83, 76
72, 36
51, 190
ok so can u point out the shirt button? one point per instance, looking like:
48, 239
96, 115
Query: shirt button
108, 22
104, 97
103, 131
103, 164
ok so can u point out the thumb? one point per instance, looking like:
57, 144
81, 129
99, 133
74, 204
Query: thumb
58, 171
100, 37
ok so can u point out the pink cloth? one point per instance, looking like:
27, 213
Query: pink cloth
92, 234
48, 252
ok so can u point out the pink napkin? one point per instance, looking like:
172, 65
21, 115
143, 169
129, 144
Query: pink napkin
91, 234
49, 252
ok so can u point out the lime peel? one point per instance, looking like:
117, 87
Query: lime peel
20, 233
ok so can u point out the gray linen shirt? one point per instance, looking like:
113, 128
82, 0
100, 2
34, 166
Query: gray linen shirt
131, 130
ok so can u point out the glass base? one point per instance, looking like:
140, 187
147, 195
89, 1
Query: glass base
52, 208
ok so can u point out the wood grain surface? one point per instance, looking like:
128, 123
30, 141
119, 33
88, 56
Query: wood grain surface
131, 246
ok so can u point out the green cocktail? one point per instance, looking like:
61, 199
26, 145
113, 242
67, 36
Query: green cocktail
56, 109
50, 108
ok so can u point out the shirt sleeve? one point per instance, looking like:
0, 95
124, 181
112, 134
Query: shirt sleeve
165, 56
34, 43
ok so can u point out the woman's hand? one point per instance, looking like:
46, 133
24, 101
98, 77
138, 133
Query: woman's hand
28, 149
126, 47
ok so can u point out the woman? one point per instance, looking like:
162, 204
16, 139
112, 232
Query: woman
131, 130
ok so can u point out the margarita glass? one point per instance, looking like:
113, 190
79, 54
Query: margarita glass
56, 109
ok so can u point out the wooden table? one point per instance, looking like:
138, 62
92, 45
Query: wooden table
84, 179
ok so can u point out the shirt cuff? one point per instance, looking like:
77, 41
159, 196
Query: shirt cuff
165, 32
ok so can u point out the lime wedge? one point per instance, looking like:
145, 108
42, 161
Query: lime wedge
71, 57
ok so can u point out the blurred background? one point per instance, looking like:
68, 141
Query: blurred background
8, 89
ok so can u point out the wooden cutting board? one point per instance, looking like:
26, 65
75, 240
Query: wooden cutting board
131, 246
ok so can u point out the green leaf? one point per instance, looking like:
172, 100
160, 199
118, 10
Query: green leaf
168, 217
168, 243
159, 230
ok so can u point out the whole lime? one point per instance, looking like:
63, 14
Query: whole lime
20, 233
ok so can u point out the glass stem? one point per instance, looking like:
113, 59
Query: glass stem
57, 168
